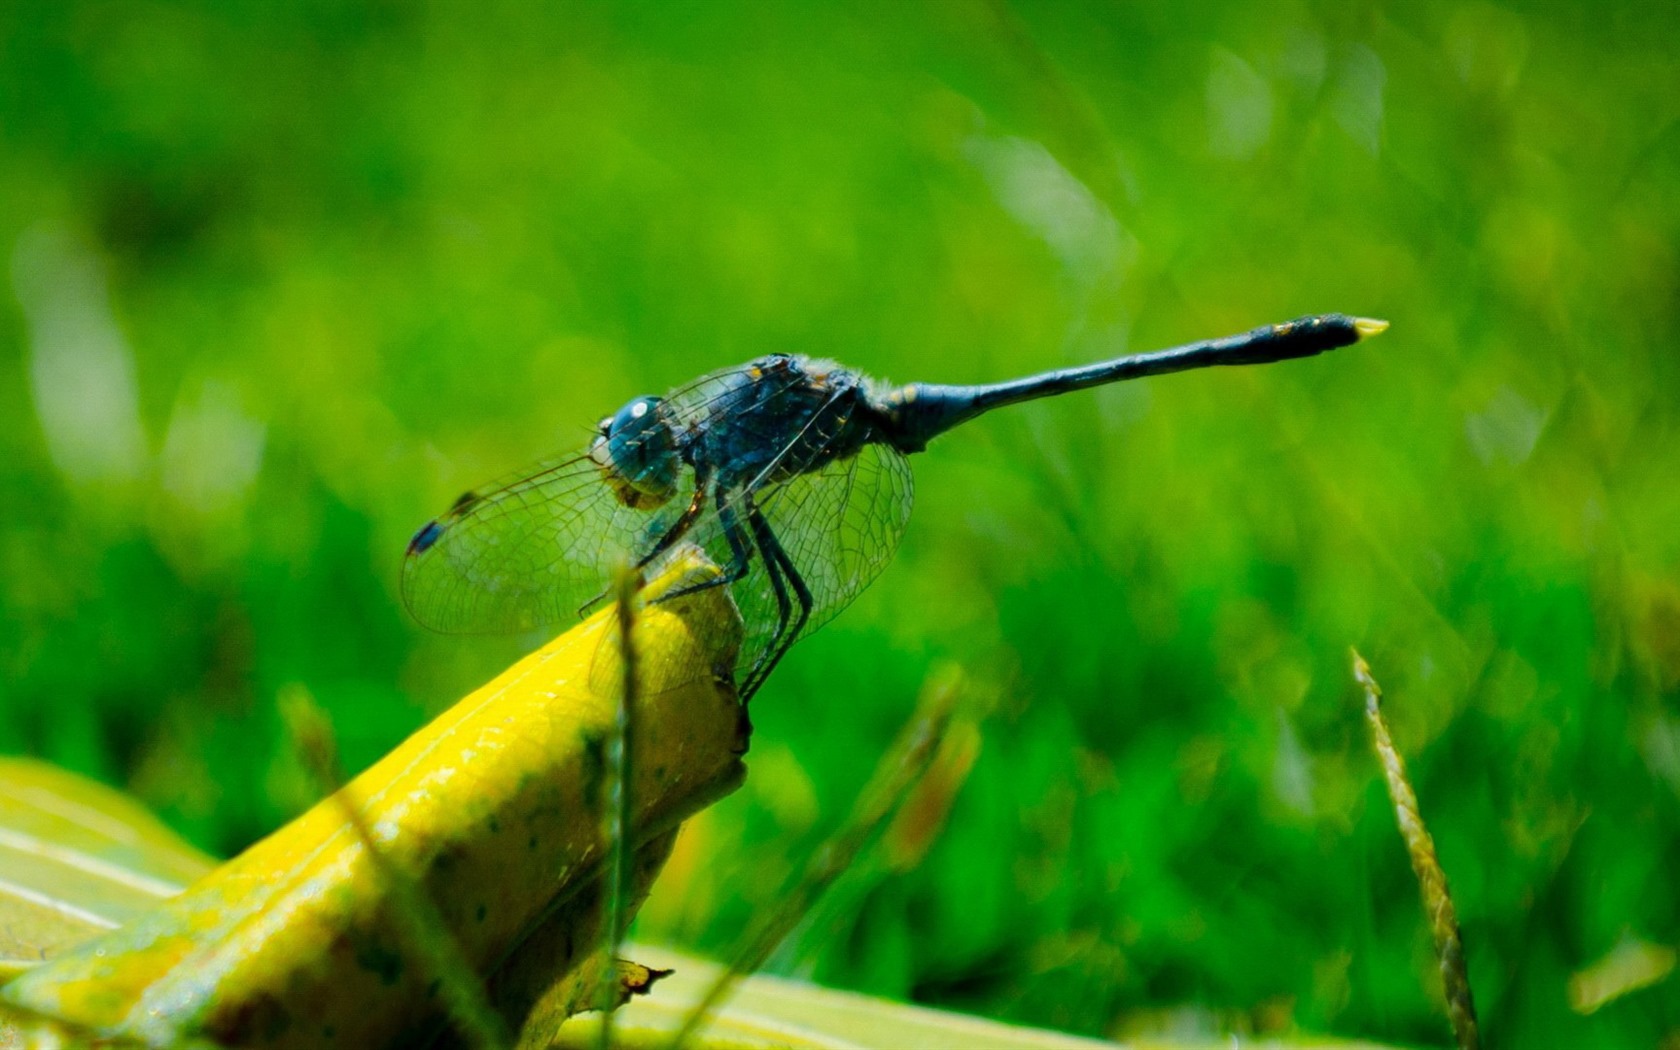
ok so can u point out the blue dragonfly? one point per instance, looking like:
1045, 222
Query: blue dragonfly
790, 472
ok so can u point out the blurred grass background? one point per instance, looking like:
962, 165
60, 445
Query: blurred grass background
283, 279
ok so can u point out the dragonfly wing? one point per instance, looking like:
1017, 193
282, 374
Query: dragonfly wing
532, 549
529, 551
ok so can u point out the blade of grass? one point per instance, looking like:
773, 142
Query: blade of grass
1432, 881
416, 917
898, 771
617, 816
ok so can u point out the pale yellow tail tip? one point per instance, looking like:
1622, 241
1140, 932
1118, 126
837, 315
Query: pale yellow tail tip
1369, 326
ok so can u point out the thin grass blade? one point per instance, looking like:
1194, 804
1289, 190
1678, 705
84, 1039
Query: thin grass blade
898, 771
1432, 880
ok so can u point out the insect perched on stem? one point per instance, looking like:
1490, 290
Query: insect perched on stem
789, 472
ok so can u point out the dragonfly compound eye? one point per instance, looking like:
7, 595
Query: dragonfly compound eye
637, 454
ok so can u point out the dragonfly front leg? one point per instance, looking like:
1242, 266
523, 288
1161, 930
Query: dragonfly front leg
680, 527
666, 541
779, 567
740, 553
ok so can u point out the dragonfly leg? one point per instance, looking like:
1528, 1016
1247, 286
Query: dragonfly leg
779, 567
677, 531
740, 553
679, 528
784, 608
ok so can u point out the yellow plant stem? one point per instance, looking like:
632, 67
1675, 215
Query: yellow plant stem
492, 810
1426, 865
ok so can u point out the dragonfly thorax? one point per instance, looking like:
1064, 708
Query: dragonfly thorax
779, 417
637, 454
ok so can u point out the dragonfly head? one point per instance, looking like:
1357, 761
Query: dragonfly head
637, 454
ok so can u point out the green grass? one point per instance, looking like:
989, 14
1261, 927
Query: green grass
284, 281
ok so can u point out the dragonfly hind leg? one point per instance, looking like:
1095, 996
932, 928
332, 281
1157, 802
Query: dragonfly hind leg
778, 568
783, 574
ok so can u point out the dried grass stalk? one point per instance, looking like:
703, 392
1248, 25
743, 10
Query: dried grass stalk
1432, 881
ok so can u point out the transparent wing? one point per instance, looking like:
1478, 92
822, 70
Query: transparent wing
532, 549
528, 551
841, 524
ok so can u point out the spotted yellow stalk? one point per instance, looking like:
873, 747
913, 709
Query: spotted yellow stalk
492, 811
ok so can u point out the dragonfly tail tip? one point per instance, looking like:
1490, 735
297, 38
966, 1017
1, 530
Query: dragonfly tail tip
1369, 326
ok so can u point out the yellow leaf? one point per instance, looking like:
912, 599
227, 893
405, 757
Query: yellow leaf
78, 859
491, 810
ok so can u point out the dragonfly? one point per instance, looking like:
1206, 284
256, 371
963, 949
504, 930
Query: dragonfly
789, 472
